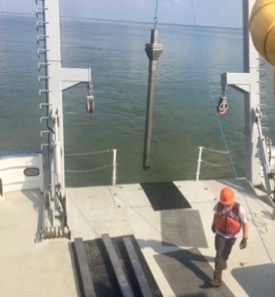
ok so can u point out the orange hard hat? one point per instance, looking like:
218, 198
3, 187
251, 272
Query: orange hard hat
226, 196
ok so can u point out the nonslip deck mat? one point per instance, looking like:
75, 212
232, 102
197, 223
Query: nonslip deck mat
164, 195
101, 272
182, 227
188, 274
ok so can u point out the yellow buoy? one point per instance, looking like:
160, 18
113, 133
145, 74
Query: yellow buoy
262, 29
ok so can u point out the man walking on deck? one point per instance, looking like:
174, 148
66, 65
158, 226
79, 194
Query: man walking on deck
229, 219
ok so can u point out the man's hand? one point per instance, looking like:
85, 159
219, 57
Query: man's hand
243, 243
213, 228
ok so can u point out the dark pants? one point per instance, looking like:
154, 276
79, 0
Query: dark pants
223, 248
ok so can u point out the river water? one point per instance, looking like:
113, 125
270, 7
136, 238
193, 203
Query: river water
186, 93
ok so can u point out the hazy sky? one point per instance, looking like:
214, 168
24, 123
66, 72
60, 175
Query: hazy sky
226, 13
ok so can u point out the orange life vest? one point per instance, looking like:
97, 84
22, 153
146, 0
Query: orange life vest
227, 222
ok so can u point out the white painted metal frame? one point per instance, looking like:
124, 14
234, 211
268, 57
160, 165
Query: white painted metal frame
248, 84
59, 80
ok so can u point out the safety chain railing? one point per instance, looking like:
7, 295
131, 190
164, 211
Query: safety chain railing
113, 165
202, 161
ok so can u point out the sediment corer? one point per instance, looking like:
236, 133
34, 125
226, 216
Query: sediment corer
262, 29
222, 105
153, 51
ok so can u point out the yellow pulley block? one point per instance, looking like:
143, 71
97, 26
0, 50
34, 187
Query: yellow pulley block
262, 29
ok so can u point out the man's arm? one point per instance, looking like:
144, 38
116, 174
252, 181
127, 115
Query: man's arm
213, 226
243, 242
245, 230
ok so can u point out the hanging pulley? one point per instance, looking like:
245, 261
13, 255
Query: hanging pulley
90, 105
222, 105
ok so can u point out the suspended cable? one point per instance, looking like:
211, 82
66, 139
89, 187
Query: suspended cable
89, 170
156, 16
88, 153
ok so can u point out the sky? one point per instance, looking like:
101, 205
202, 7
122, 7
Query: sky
224, 13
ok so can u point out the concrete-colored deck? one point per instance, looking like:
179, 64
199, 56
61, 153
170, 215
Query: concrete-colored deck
44, 269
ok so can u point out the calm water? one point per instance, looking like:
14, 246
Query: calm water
187, 90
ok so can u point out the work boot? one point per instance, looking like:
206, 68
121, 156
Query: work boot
224, 265
216, 282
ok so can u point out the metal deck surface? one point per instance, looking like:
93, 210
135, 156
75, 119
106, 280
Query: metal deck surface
45, 268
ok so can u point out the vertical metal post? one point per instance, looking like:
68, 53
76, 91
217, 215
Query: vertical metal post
248, 84
114, 168
199, 163
252, 100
